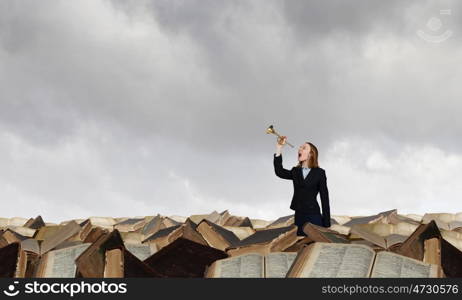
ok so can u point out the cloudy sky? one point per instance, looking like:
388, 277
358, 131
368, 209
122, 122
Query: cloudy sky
133, 108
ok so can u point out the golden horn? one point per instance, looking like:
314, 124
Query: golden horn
271, 130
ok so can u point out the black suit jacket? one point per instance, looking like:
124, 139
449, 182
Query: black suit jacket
306, 189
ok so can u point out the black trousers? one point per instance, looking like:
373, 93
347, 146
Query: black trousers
302, 218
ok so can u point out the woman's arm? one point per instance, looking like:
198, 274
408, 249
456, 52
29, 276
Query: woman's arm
279, 169
324, 199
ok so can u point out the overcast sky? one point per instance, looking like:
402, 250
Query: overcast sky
133, 108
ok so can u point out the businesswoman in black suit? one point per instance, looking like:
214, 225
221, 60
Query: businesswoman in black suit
308, 179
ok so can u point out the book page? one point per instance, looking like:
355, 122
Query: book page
404, 228
388, 264
61, 263
455, 224
60, 236
102, 221
132, 237
278, 263
458, 217
244, 266
241, 232
24, 231
341, 219
364, 220
340, 229
393, 239
334, 238
441, 219
30, 245
141, 251
213, 238
381, 229
339, 260
369, 235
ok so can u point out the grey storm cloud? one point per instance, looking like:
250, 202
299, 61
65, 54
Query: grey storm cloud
164, 104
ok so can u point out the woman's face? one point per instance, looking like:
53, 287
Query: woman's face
304, 152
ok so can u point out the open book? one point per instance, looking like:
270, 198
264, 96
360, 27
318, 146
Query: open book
444, 220
60, 263
216, 235
386, 242
252, 265
266, 241
383, 216
334, 260
282, 222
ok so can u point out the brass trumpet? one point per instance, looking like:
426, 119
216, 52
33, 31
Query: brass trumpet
271, 130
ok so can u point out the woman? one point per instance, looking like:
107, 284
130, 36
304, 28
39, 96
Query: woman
308, 179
